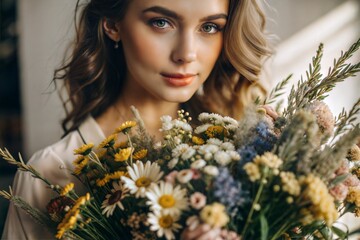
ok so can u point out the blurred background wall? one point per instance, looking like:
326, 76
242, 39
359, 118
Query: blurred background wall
34, 35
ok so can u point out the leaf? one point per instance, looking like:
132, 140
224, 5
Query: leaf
340, 233
339, 179
264, 227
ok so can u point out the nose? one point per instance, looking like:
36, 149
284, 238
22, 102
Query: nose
185, 49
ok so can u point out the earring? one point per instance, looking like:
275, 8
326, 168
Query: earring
116, 46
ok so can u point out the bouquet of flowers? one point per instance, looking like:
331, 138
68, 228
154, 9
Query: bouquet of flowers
285, 177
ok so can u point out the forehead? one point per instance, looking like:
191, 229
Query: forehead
191, 9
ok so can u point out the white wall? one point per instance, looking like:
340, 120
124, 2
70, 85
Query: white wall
44, 27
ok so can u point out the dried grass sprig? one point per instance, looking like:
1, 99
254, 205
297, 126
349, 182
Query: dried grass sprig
37, 215
20, 164
316, 87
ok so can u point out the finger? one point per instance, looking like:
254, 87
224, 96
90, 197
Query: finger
210, 235
197, 232
271, 112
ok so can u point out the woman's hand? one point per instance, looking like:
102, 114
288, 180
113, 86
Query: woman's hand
201, 232
270, 112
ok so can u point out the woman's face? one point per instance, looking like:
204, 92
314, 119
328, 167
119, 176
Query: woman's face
171, 46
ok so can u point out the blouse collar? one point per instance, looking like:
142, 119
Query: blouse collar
91, 131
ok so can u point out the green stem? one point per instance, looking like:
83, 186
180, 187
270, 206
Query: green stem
256, 200
131, 145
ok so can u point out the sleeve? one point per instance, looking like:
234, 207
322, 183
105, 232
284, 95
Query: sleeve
19, 225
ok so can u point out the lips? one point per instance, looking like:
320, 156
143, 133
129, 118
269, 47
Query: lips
178, 79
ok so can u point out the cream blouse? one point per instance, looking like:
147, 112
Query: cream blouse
55, 164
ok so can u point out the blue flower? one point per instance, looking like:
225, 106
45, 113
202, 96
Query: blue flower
247, 154
228, 191
264, 139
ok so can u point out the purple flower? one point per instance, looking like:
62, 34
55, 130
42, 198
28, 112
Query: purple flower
228, 191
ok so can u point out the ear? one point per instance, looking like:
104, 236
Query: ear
111, 29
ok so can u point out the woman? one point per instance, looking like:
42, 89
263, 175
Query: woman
158, 55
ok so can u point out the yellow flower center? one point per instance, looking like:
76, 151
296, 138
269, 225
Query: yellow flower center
143, 182
166, 201
166, 221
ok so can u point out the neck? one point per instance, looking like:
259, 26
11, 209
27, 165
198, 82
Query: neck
150, 111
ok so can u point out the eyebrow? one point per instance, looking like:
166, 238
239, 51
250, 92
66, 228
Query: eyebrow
169, 13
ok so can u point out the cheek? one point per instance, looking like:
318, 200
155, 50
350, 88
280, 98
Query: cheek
142, 49
210, 52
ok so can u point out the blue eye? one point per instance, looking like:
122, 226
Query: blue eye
210, 28
160, 23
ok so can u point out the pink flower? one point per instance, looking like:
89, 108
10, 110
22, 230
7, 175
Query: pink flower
197, 200
344, 168
170, 178
352, 181
324, 117
196, 174
184, 176
339, 192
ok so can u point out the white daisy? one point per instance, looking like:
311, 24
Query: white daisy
113, 199
164, 224
227, 146
235, 156
200, 163
183, 125
190, 152
208, 148
230, 121
211, 170
214, 141
202, 128
222, 158
141, 177
179, 150
167, 199
165, 118
172, 163
203, 116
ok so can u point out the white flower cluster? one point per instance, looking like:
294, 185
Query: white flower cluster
211, 119
213, 152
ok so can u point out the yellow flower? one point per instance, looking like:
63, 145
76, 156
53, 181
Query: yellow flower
197, 140
122, 144
140, 154
67, 223
80, 163
322, 206
70, 219
102, 181
84, 149
353, 196
123, 155
357, 212
268, 159
67, 189
252, 171
216, 132
354, 153
109, 141
214, 215
290, 184
125, 127
116, 175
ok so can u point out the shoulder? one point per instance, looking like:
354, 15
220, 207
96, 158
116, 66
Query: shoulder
60, 155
